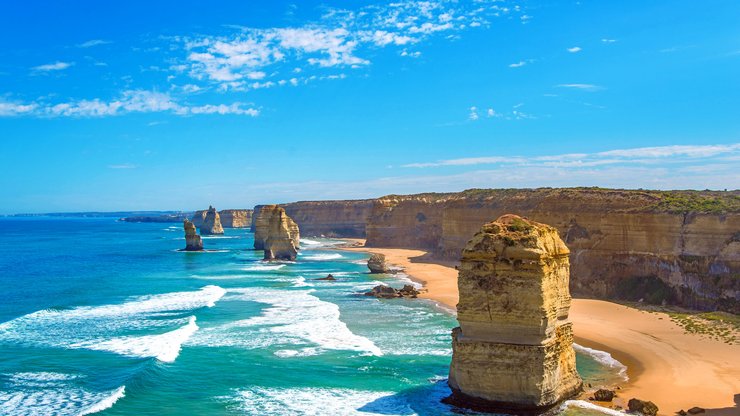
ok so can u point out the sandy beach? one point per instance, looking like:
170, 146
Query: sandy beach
674, 369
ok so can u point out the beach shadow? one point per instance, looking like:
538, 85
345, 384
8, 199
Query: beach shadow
726, 411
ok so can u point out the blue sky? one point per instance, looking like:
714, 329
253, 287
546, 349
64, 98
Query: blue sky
178, 105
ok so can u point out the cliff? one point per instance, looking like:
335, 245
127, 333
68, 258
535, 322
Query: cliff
193, 241
236, 218
230, 218
514, 346
275, 233
211, 223
678, 247
331, 218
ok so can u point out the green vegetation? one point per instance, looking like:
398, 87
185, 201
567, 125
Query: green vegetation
697, 201
721, 326
519, 225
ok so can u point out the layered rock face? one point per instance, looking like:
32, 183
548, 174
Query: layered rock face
514, 346
199, 217
275, 233
628, 245
192, 239
236, 218
211, 223
331, 218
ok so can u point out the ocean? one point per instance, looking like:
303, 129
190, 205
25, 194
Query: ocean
105, 317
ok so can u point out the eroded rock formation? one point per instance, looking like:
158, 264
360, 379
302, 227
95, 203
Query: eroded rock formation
514, 346
192, 239
376, 263
387, 292
276, 233
211, 223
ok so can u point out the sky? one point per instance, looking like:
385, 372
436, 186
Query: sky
169, 105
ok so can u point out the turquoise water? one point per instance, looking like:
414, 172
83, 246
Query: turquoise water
105, 317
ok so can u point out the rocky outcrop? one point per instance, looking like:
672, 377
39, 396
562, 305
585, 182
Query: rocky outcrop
644, 407
514, 346
236, 218
211, 223
678, 247
376, 263
604, 395
387, 292
276, 233
198, 217
192, 239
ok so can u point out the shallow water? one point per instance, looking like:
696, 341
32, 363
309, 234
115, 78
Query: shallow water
106, 317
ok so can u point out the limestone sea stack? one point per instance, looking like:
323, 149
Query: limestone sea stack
513, 350
276, 233
211, 223
192, 239
199, 217
376, 263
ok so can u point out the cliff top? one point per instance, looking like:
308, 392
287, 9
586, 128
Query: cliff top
613, 200
517, 237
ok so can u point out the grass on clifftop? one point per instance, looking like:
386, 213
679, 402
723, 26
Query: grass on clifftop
721, 326
697, 201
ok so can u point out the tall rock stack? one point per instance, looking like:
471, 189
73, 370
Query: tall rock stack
276, 233
513, 349
211, 223
199, 217
192, 239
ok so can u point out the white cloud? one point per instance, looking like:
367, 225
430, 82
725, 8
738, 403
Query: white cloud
574, 49
518, 64
607, 40
491, 113
473, 114
584, 87
93, 42
15, 109
414, 54
56, 66
123, 166
131, 101
635, 156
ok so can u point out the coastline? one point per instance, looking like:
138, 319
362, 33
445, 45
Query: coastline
674, 369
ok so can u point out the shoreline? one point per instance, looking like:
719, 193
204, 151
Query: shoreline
674, 369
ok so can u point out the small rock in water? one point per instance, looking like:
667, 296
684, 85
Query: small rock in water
387, 292
329, 277
645, 407
604, 395
376, 263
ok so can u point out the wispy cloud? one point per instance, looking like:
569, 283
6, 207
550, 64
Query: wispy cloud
131, 101
607, 40
584, 87
518, 64
515, 113
340, 39
93, 42
56, 66
640, 156
123, 166
575, 49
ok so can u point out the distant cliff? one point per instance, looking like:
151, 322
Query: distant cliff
230, 218
680, 247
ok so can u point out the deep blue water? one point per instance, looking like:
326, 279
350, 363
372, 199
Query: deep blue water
106, 317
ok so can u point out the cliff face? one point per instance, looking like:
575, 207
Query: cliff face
624, 244
192, 239
230, 218
276, 233
236, 218
331, 218
211, 223
514, 346
274, 230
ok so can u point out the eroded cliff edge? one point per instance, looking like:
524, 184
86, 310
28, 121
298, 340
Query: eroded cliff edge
680, 247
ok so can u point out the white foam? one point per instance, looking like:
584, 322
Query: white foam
319, 402
164, 347
323, 256
294, 317
588, 405
106, 403
37, 394
603, 358
307, 242
301, 282
95, 327
262, 267
218, 237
